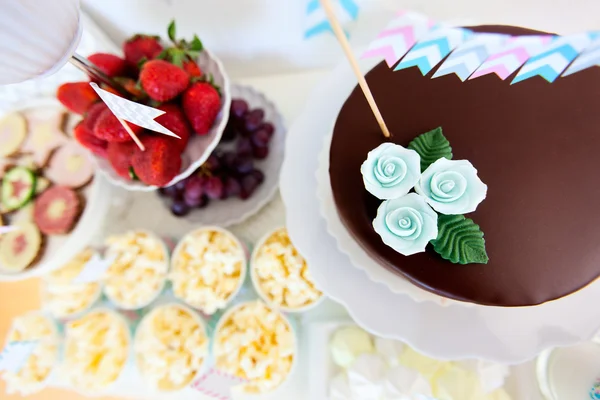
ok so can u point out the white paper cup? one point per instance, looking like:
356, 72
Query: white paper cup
38, 386
239, 390
256, 281
243, 272
143, 325
159, 290
120, 319
93, 301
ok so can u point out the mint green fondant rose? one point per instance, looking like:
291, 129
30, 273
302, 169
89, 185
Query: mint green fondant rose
452, 187
406, 224
391, 171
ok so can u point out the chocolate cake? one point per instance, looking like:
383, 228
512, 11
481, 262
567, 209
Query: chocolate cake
536, 146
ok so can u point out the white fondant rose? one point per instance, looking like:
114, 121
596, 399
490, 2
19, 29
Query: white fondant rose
406, 224
391, 171
452, 187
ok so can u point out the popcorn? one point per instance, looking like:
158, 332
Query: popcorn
171, 346
256, 343
62, 297
96, 350
30, 379
207, 269
281, 275
139, 271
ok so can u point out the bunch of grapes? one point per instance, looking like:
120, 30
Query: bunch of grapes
227, 173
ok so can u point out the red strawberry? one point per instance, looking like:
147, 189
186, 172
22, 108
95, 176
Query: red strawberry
201, 103
162, 80
174, 120
86, 138
110, 64
141, 46
92, 115
77, 96
192, 68
120, 156
159, 164
110, 129
131, 86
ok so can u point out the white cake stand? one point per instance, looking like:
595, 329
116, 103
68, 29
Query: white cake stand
509, 335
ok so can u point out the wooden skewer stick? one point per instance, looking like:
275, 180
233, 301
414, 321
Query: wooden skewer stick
133, 136
341, 37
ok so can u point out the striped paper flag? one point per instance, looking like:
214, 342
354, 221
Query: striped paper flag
467, 57
512, 55
317, 22
554, 57
399, 36
433, 48
588, 58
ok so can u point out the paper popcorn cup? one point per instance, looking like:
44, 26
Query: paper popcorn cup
217, 276
125, 281
279, 272
234, 343
112, 348
148, 350
40, 367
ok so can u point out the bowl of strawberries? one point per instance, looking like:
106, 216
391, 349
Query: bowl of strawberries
182, 79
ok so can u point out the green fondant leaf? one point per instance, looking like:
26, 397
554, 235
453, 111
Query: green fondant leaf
431, 146
460, 240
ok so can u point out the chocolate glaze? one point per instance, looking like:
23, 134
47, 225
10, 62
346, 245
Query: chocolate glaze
537, 147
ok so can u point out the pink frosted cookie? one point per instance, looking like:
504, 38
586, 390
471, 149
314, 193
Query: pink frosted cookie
70, 166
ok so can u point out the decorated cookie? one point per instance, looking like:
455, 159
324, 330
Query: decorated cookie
20, 248
13, 131
44, 137
56, 210
18, 188
70, 166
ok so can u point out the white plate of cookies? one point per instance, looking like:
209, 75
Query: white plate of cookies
51, 202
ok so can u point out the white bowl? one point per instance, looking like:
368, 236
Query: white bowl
146, 320
199, 147
256, 280
243, 273
59, 250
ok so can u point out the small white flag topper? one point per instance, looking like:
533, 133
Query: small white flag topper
94, 269
217, 384
8, 228
15, 355
133, 112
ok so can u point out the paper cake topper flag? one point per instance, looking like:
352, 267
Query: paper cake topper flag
317, 23
399, 36
94, 269
433, 48
513, 54
8, 228
217, 384
554, 57
15, 355
588, 58
467, 57
133, 112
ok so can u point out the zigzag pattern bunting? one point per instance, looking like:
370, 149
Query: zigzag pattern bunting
467, 57
554, 58
589, 58
399, 36
433, 48
317, 23
511, 56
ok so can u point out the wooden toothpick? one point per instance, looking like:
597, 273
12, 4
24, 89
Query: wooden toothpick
341, 37
133, 136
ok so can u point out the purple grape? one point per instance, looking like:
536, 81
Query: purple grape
253, 119
232, 187
260, 153
179, 208
244, 147
267, 126
249, 185
194, 189
170, 191
259, 175
260, 138
180, 186
214, 188
212, 163
239, 107
243, 165
228, 160
203, 202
